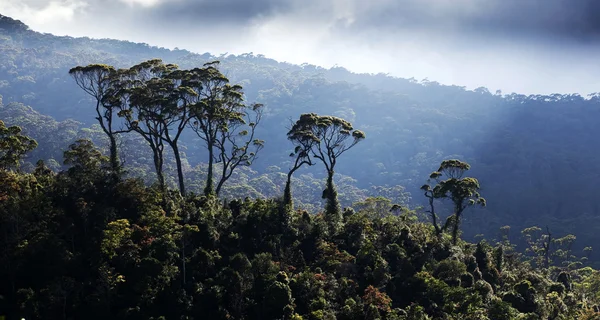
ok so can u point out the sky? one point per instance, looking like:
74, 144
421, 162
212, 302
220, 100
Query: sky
523, 46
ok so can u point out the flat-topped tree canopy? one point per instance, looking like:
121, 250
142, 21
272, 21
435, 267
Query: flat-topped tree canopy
325, 138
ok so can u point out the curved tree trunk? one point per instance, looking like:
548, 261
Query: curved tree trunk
221, 181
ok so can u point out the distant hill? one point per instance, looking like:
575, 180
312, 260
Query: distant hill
535, 156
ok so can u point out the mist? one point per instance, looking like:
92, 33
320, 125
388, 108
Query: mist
533, 48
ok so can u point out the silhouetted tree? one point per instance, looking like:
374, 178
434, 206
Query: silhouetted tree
303, 142
98, 81
151, 107
463, 192
224, 123
333, 136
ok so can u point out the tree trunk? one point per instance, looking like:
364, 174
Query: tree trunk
159, 170
208, 189
438, 230
114, 158
287, 205
332, 206
221, 182
179, 168
456, 226
288, 202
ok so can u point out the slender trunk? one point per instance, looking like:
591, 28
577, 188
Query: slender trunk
114, 158
221, 180
159, 170
287, 205
288, 202
435, 224
332, 199
227, 165
456, 226
332, 207
208, 189
179, 168
438, 231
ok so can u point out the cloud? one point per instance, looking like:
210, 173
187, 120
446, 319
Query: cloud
42, 12
514, 45
576, 20
547, 19
143, 3
237, 12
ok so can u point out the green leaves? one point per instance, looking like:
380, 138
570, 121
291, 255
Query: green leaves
322, 135
116, 233
13, 146
463, 192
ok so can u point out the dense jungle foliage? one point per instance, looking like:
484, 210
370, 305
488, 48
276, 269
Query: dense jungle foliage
185, 188
80, 244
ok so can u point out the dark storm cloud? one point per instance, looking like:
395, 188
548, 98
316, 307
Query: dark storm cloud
552, 19
573, 19
237, 12
533, 46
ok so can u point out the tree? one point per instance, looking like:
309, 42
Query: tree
98, 81
431, 198
236, 141
85, 161
13, 146
159, 98
303, 142
331, 136
224, 123
149, 107
463, 192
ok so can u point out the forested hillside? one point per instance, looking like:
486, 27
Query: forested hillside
144, 183
533, 153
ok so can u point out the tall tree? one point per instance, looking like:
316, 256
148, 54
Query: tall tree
463, 192
333, 136
303, 142
179, 115
157, 109
225, 123
98, 81
429, 194
164, 101
236, 142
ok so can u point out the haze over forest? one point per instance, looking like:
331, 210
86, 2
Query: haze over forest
514, 46
411, 159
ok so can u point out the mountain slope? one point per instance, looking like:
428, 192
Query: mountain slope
534, 155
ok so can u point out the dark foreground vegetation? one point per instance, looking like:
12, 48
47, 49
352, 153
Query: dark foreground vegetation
178, 199
86, 244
